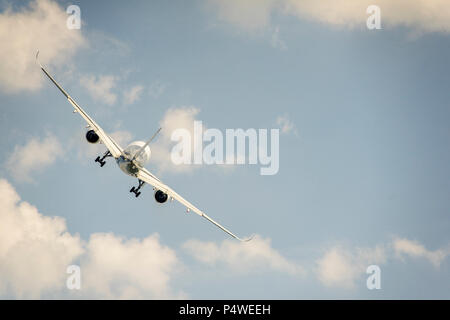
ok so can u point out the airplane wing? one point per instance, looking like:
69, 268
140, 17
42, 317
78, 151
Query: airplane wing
112, 146
149, 178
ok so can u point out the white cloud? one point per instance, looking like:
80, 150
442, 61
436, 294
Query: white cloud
336, 268
132, 95
286, 125
116, 268
181, 118
343, 267
257, 255
340, 267
415, 249
35, 250
41, 25
100, 88
33, 157
419, 16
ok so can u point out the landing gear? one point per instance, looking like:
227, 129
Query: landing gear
136, 190
102, 159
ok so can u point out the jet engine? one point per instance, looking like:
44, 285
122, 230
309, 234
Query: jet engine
92, 137
160, 196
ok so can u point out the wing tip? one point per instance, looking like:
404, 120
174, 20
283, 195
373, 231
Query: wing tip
247, 239
37, 59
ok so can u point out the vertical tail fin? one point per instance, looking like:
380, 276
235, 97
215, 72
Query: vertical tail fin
145, 145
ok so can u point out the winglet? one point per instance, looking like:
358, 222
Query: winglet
51, 78
242, 240
247, 239
223, 228
37, 59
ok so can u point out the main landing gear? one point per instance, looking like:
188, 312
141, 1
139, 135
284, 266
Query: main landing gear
136, 190
102, 159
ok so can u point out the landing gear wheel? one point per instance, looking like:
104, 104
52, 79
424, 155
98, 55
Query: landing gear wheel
136, 190
102, 159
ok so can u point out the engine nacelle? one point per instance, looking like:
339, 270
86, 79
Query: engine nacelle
92, 137
160, 196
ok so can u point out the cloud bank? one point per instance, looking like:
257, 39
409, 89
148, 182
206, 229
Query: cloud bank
420, 16
343, 267
40, 25
34, 156
35, 251
413, 249
257, 255
119, 268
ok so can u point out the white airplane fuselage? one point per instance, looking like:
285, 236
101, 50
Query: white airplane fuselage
129, 167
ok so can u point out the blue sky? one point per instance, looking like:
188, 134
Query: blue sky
363, 179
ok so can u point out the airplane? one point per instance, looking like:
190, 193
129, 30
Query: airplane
132, 159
